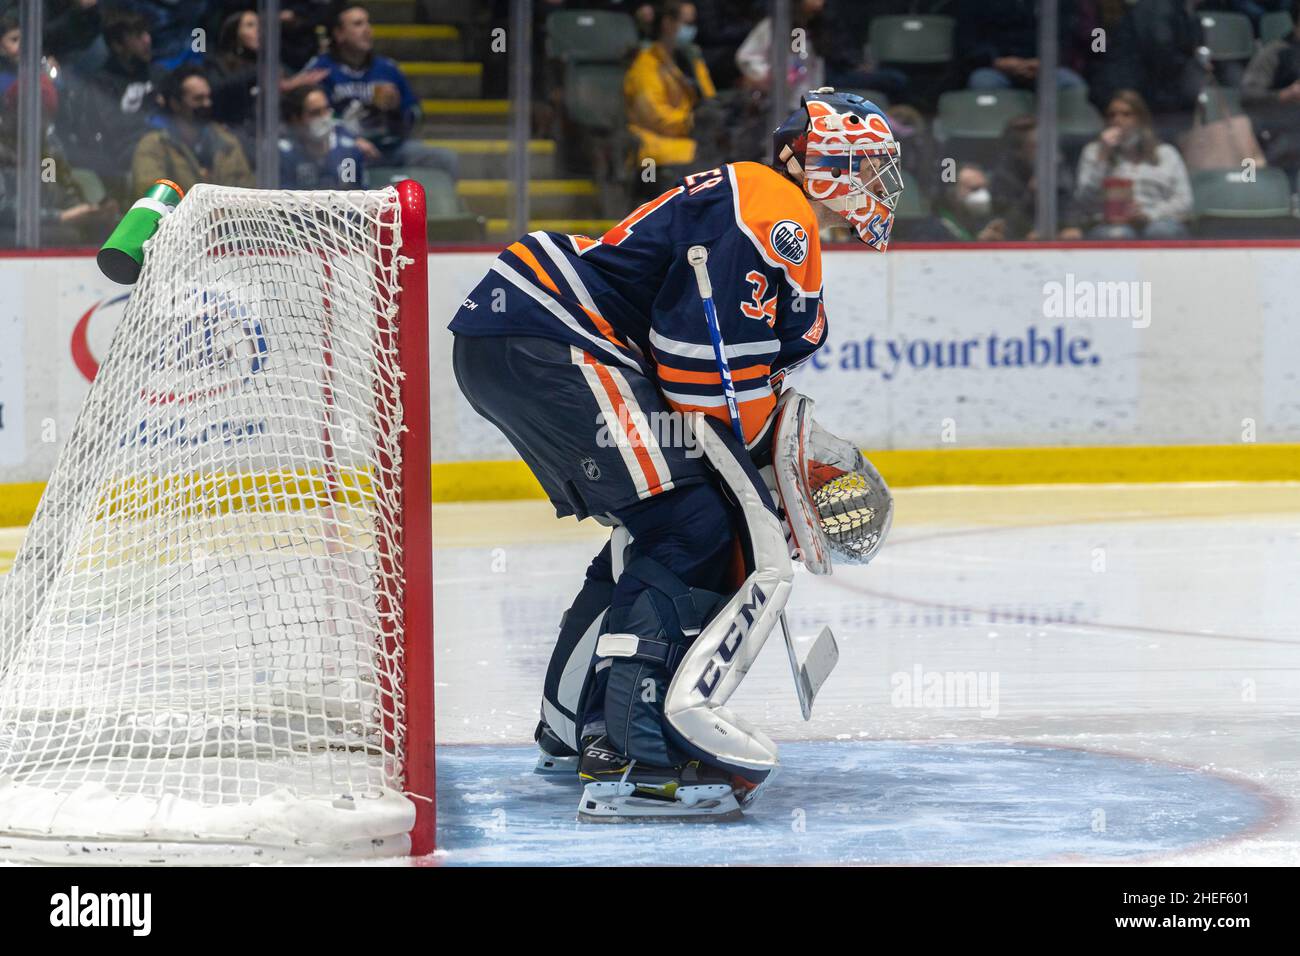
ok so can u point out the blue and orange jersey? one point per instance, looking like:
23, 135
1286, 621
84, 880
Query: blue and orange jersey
630, 297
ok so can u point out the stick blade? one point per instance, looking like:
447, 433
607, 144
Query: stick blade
823, 654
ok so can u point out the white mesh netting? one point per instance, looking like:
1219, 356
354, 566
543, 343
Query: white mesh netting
200, 639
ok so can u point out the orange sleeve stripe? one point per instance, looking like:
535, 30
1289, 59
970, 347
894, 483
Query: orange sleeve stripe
526, 254
652, 477
523, 252
753, 413
670, 374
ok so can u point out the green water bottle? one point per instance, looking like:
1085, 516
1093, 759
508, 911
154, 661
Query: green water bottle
122, 256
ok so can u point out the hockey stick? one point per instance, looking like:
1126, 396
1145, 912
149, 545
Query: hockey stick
698, 257
824, 653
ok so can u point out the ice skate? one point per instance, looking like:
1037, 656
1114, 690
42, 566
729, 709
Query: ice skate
556, 758
618, 789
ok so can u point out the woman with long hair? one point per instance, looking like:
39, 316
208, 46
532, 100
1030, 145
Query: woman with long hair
1130, 184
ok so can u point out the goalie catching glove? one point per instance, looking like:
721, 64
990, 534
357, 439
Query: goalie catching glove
834, 502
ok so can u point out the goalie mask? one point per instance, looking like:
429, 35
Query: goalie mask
836, 505
840, 149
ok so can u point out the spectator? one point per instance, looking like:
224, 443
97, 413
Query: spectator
842, 41
807, 70
1270, 92
964, 211
1129, 183
10, 38
74, 33
1014, 184
232, 72
1153, 52
299, 22
67, 219
316, 153
370, 94
723, 26
171, 24
233, 75
663, 87
188, 147
917, 148
105, 114
996, 43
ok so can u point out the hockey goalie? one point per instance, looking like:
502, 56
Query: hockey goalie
584, 352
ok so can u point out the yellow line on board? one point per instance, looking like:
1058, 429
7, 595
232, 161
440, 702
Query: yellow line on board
503, 480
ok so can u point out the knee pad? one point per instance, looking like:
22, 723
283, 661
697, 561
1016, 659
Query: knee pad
637, 656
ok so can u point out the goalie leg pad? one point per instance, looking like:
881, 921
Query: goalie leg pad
720, 657
641, 649
569, 671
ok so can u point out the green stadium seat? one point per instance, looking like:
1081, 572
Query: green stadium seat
913, 204
593, 95
446, 215
590, 36
92, 187
1228, 35
1219, 103
1275, 25
979, 114
1227, 194
910, 39
1075, 115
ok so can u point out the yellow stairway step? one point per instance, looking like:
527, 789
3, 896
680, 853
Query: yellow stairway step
543, 147
415, 31
431, 68
466, 107
536, 187
581, 227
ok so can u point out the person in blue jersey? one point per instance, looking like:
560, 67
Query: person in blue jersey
370, 94
587, 354
316, 153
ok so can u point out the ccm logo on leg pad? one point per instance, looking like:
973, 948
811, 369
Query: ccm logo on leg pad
731, 641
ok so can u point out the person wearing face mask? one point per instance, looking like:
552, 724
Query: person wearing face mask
964, 211
1129, 184
317, 153
664, 89
186, 146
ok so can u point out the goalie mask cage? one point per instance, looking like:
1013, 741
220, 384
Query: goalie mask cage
215, 642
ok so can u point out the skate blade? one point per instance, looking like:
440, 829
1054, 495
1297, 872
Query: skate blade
551, 766
619, 803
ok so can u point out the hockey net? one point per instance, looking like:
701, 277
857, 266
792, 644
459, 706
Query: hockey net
214, 639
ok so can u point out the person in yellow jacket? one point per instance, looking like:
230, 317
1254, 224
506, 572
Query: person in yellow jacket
664, 86
188, 147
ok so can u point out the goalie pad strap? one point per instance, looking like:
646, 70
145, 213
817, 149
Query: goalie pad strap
689, 613
640, 648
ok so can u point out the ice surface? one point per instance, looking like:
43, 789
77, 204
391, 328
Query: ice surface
1065, 673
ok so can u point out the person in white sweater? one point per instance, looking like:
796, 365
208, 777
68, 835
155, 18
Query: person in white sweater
1129, 184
